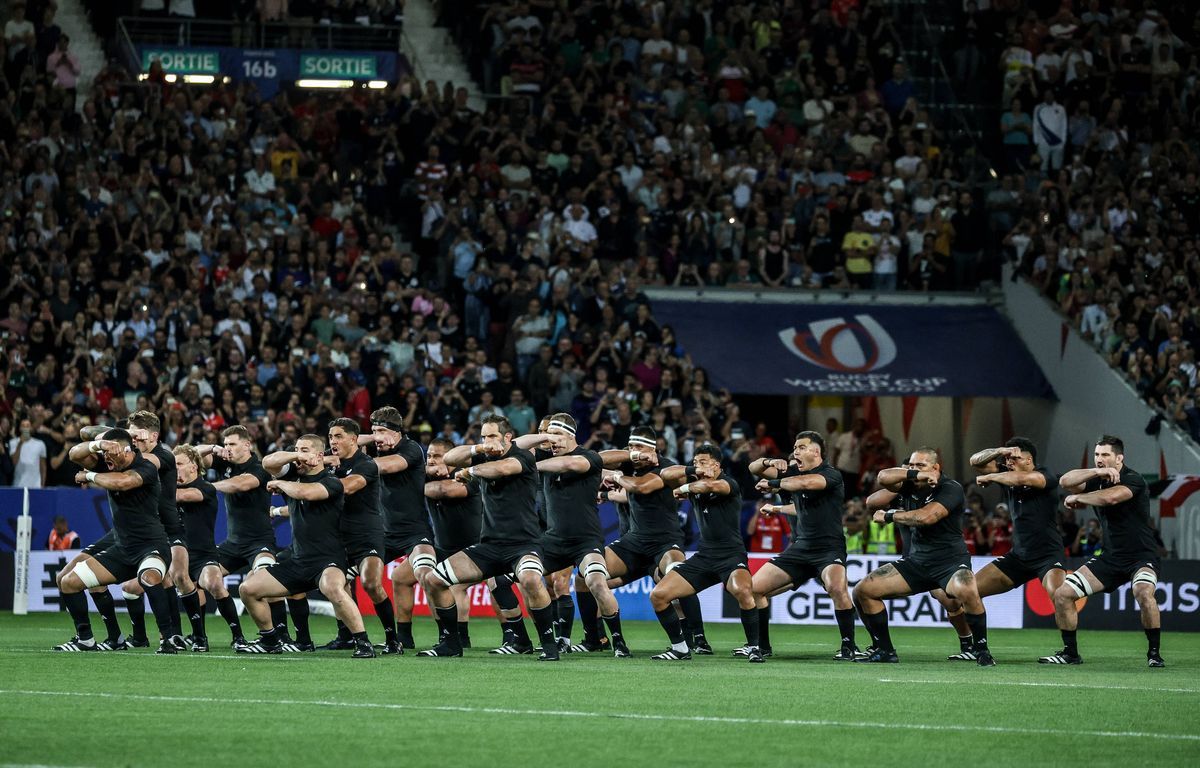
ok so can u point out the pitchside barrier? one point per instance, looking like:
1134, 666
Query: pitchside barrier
1026, 606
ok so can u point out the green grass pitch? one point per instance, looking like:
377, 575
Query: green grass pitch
800, 708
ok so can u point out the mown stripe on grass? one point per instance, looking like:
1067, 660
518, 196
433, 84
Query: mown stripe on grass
1020, 684
619, 715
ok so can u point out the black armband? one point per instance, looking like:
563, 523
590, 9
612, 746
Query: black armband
912, 474
888, 517
774, 483
689, 470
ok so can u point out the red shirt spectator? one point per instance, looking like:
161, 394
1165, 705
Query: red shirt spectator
768, 533
1000, 532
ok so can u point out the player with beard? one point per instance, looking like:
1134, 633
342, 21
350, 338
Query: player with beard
101, 597
407, 534
457, 516
250, 537
571, 477
937, 558
197, 502
318, 556
558, 582
509, 537
1121, 500
883, 499
361, 522
654, 544
818, 548
141, 547
721, 557
144, 429
1031, 493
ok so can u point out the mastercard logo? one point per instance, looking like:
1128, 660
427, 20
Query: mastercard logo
1041, 603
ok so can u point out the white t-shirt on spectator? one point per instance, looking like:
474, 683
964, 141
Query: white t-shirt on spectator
154, 258
28, 470
1094, 323
875, 218
886, 258
1045, 61
1074, 57
848, 459
260, 183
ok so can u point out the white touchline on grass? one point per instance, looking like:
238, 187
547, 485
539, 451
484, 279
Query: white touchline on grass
617, 715
1018, 683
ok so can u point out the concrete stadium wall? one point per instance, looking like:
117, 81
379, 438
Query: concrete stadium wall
1092, 397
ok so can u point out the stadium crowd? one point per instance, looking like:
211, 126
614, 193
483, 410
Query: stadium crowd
1098, 195
221, 260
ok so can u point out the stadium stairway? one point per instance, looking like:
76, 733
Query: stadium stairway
72, 18
433, 53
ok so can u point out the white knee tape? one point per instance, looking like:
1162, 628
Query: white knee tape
530, 564
86, 575
595, 568
672, 566
152, 563
1079, 584
130, 595
1146, 577
445, 572
423, 561
262, 560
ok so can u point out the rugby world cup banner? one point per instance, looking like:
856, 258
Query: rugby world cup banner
855, 349
810, 605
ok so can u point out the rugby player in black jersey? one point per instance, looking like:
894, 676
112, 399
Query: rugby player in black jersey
571, 477
318, 558
144, 429
407, 533
557, 581
937, 559
457, 517
818, 548
88, 457
883, 499
721, 557
1031, 493
361, 524
1129, 551
509, 537
250, 538
197, 501
654, 544
141, 548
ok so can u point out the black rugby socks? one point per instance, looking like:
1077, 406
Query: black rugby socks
107, 608
137, 615
228, 611
387, 617
750, 625
764, 627
845, 622
76, 605
877, 627
670, 623
160, 605
300, 612
588, 610
566, 616
195, 614
978, 624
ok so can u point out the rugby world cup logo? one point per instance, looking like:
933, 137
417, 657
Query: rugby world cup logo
860, 345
